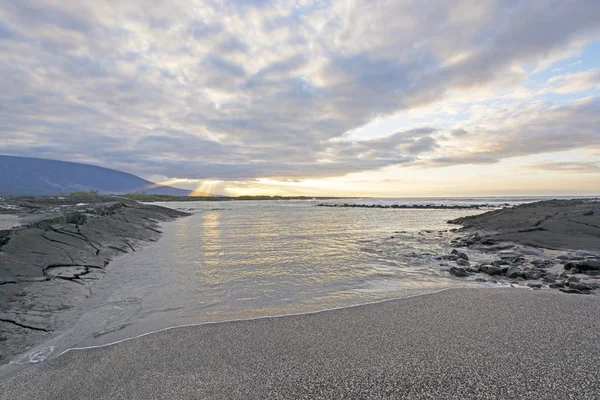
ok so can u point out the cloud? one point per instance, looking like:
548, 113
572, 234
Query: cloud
568, 167
240, 90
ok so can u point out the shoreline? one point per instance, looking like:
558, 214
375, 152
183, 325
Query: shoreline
451, 348
49, 263
550, 244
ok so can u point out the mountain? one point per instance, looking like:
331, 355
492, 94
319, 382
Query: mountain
24, 176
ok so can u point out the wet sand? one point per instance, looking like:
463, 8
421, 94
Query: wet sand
460, 343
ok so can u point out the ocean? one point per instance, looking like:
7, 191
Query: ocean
234, 260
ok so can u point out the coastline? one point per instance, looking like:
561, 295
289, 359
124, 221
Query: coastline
49, 263
452, 347
484, 237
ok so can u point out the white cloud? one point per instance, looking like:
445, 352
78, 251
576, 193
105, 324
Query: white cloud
240, 90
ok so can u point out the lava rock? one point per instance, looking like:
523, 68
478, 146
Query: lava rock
514, 272
490, 269
569, 265
557, 285
572, 279
573, 291
463, 256
533, 274
463, 263
454, 252
534, 285
581, 286
588, 213
588, 265
457, 271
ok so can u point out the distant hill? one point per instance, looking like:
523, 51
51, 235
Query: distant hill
24, 176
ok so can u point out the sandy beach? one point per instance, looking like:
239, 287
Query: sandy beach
460, 343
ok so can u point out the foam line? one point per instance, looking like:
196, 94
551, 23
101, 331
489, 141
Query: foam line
260, 318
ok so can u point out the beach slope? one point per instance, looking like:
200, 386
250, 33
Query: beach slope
456, 344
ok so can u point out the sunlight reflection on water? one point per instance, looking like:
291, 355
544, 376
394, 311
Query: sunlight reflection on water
240, 260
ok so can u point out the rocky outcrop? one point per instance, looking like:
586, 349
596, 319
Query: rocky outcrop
48, 264
555, 224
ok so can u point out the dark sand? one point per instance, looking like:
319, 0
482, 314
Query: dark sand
461, 343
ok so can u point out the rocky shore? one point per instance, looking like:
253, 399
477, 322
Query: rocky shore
413, 206
61, 246
551, 244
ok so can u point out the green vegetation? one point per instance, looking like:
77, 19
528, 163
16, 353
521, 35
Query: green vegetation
89, 193
165, 198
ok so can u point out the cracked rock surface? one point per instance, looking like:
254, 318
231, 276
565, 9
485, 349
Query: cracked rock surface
554, 224
48, 264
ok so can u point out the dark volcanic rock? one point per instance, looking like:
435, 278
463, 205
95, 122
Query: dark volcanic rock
573, 291
463, 256
534, 285
457, 271
589, 265
581, 286
490, 270
49, 263
514, 272
557, 285
462, 262
554, 224
533, 274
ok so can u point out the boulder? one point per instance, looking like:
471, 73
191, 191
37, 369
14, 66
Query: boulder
457, 271
573, 291
462, 262
581, 286
588, 265
490, 269
454, 252
572, 279
463, 256
514, 272
533, 274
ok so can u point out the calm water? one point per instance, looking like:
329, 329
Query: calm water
238, 260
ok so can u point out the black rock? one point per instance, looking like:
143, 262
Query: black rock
457, 271
514, 272
454, 252
581, 286
462, 262
490, 269
549, 278
572, 279
488, 242
574, 291
534, 285
588, 213
533, 274
557, 285
588, 265
570, 265
592, 273
463, 256
542, 263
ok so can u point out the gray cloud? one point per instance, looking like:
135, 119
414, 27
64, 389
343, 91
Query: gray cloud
239, 90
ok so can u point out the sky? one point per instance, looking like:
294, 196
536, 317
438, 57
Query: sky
401, 98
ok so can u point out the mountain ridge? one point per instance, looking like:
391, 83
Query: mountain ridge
29, 176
